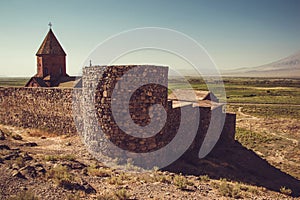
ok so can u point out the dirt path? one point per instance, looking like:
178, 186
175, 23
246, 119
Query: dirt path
265, 104
245, 116
250, 117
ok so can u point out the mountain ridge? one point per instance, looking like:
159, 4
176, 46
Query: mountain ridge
288, 67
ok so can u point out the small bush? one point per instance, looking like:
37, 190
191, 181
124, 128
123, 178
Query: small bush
24, 195
253, 190
60, 157
122, 194
6, 131
164, 179
180, 182
100, 172
73, 196
40, 133
18, 161
158, 176
204, 178
236, 191
106, 196
224, 188
228, 190
60, 174
244, 187
145, 178
17, 137
115, 180
285, 190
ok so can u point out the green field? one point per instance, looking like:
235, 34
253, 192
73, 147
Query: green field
268, 111
251, 90
261, 97
238, 90
13, 81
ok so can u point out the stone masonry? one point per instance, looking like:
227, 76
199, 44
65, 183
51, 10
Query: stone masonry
54, 109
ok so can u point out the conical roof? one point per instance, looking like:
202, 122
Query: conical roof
50, 46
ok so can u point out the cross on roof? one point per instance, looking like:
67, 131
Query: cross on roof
50, 25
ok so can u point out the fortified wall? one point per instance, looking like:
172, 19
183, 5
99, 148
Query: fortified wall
139, 87
133, 90
48, 109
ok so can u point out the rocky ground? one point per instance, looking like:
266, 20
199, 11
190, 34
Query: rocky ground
38, 165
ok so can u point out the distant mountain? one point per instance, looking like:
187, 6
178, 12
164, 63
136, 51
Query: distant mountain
287, 67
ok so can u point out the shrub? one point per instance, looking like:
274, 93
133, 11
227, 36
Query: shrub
204, 178
224, 188
100, 172
6, 131
17, 137
73, 196
24, 195
180, 182
60, 175
122, 194
164, 179
236, 191
115, 180
60, 157
158, 176
253, 190
40, 133
228, 190
285, 190
106, 196
19, 161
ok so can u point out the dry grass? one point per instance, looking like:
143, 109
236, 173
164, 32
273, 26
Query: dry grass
285, 190
60, 175
99, 171
40, 133
122, 194
24, 195
204, 178
106, 196
67, 157
180, 182
17, 137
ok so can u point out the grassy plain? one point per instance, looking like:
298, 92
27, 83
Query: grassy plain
250, 90
13, 81
268, 116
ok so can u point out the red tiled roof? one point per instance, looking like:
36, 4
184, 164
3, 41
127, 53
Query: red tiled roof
50, 46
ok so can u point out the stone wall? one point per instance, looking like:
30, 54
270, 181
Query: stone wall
44, 108
133, 91
104, 86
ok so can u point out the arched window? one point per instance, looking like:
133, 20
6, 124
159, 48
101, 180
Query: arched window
60, 71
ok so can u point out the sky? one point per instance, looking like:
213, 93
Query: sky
235, 33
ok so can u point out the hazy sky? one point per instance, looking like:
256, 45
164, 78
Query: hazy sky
236, 33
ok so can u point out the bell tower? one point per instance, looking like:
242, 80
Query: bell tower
51, 64
51, 58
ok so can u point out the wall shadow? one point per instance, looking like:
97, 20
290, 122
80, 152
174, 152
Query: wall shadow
237, 163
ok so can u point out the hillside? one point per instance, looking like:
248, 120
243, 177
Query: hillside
262, 163
287, 67
38, 165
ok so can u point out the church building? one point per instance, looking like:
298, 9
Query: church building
51, 64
